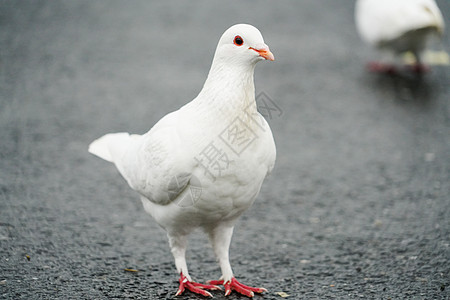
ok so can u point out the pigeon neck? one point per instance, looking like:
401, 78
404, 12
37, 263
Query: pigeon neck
230, 88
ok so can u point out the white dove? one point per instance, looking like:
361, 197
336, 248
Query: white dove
398, 26
203, 165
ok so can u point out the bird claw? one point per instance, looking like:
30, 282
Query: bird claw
234, 285
195, 287
390, 69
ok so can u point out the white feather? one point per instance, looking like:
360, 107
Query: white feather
398, 25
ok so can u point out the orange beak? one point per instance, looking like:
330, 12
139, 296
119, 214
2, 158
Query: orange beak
265, 53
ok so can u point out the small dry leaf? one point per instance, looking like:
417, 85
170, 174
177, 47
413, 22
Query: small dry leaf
282, 294
305, 261
378, 223
28, 257
130, 270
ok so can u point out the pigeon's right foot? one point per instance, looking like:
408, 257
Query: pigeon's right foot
195, 287
378, 67
234, 285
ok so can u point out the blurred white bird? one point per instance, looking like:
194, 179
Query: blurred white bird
398, 26
203, 165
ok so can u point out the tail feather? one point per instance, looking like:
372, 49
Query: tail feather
111, 146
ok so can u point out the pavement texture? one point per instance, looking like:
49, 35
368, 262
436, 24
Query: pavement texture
356, 207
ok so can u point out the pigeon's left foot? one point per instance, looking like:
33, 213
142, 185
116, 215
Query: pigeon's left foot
234, 285
195, 287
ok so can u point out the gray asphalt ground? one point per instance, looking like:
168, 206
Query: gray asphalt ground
356, 207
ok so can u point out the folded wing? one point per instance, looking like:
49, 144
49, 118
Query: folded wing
150, 163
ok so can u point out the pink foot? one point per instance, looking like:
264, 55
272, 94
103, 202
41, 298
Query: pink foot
419, 68
195, 287
378, 67
234, 285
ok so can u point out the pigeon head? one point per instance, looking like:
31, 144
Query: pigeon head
242, 44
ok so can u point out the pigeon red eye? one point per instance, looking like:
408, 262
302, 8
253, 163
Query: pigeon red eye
238, 41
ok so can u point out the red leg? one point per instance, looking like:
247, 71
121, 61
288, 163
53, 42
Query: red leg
234, 285
195, 287
419, 68
378, 67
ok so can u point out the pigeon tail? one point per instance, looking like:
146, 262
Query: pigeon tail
111, 146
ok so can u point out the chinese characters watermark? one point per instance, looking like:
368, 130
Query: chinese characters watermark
237, 136
267, 107
213, 159
186, 189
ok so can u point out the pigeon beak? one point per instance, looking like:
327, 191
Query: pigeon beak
264, 52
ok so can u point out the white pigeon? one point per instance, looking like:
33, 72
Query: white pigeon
203, 165
398, 26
